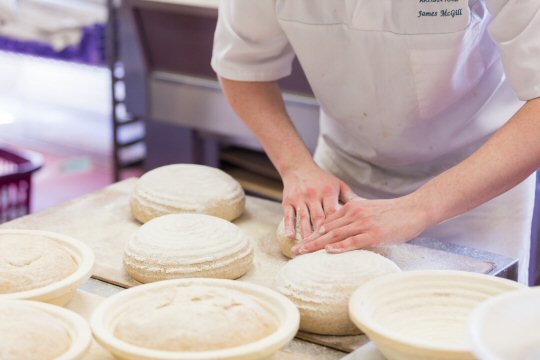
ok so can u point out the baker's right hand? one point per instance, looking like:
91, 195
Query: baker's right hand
309, 195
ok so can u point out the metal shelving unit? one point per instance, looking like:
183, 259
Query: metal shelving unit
121, 119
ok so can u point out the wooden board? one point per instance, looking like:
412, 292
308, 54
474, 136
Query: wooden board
103, 221
342, 343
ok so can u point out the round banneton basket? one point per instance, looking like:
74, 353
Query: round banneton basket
422, 315
59, 292
105, 318
76, 326
506, 326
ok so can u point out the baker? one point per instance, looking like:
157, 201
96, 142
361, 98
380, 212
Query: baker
408, 104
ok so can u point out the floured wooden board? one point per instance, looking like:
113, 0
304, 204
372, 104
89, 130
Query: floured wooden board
342, 343
103, 220
84, 304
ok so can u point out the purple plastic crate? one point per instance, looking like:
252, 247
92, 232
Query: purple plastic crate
90, 50
16, 169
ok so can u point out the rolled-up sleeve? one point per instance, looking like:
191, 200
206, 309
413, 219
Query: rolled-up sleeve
515, 28
249, 44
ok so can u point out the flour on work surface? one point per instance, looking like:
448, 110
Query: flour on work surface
414, 257
28, 333
187, 245
103, 220
187, 188
194, 318
32, 261
320, 284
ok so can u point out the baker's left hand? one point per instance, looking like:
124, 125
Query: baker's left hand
364, 223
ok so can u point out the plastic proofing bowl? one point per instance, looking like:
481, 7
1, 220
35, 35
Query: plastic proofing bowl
507, 326
77, 327
105, 317
60, 292
422, 315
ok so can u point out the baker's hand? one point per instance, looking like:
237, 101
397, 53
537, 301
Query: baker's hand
311, 194
367, 223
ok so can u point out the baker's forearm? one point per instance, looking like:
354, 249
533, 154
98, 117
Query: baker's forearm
504, 161
260, 106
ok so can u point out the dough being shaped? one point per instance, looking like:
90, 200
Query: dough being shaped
187, 188
194, 318
286, 243
27, 333
320, 285
187, 245
32, 261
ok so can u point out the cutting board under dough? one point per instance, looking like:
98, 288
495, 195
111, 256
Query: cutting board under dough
104, 222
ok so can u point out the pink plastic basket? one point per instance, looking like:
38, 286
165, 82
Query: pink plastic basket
16, 168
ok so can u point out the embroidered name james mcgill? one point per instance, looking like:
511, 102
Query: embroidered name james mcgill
442, 13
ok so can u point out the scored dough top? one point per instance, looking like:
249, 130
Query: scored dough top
194, 318
320, 285
323, 278
32, 261
190, 187
28, 333
188, 243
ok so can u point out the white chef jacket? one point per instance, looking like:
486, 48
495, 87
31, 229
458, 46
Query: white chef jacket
407, 89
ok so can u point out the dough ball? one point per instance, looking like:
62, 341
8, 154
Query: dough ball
194, 318
27, 333
285, 243
32, 261
187, 245
187, 188
320, 285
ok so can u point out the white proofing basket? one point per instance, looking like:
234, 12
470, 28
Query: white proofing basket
422, 315
507, 327
59, 292
76, 326
105, 317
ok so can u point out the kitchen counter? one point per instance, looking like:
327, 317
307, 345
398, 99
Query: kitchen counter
103, 221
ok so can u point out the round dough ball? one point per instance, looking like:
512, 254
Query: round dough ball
187, 245
187, 188
286, 243
32, 261
28, 333
194, 318
320, 285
